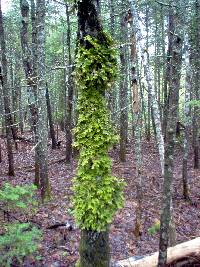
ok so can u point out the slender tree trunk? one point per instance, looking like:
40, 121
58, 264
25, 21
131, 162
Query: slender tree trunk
21, 113
29, 64
195, 138
18, 116
42, 132
15, 96
70, 93
35, 89
112, 95
167, 76
174, 85
50, 118
149, 114
143, 106
196, 74
151, 92
123, 93
156, 112
188, 88
4, 88
137, 128
0, 154
13, 104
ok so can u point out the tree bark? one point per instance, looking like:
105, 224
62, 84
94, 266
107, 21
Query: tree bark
156, 111
50, 118
0, 154
28, 63
167, 75
70, 94
149, 114
151, 92
112, 95
195, 36
136, 106
174, 85
4, 88
123, 93
188, 87
41, 129
94, 249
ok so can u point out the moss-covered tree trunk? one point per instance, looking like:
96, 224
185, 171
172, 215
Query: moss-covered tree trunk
97, 193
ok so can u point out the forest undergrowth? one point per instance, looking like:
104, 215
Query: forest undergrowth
59, 247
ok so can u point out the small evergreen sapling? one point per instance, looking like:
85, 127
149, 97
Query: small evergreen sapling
155, 228
15, 198
19, 241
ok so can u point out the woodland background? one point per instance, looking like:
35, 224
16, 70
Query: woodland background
154, 108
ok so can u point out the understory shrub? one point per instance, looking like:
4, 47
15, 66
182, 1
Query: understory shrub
18, 240
16, 198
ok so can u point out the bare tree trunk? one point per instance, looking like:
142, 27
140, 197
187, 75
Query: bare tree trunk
50, 118
123, 93
15, 95
42, 132
0, 154
136, 105
148, 76
112, 96
167, 76
143, 107
188, 88
94, 249
70, 93
21, 113
35, 89
196, 74
152, 98
149, 114
174, 85
29, 64
156, 111
4, 88
18, 94
13, 103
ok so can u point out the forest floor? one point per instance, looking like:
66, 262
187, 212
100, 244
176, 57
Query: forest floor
59, 247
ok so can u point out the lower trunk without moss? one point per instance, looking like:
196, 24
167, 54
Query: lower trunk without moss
94, 249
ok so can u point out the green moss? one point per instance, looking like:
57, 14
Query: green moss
96, 67
77, 264
98, 194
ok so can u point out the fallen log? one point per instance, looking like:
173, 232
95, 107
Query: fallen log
181, 251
